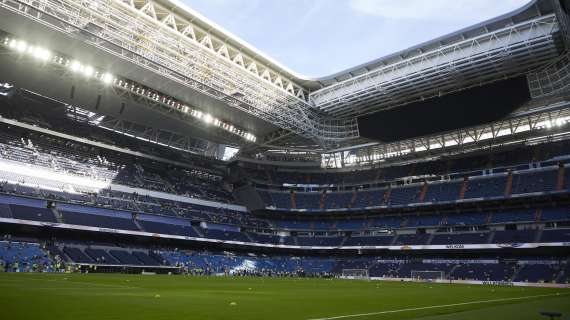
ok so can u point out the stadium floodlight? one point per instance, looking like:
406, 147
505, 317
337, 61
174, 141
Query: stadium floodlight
75, 66
21, 46
208, 118
88, 71
559, 122
40, 53
107, 78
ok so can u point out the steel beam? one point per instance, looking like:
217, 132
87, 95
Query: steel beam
502, 53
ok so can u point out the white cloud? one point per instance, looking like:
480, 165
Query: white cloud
436, 10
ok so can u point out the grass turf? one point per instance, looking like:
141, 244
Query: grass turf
113, 296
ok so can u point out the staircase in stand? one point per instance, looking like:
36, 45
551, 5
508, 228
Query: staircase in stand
463, 188
293, 200
57, 215
136, 221
198, 232
509, 185
353, 199
394, 240
386, 198
423, 192
561, 273
516, 271
537, 215
560, 181
489, 218
431, 236
323, 199
491, 237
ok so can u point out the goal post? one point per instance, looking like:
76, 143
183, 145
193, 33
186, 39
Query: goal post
421, 275
355, 274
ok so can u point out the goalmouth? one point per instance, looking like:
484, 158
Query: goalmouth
420, 275
361, 274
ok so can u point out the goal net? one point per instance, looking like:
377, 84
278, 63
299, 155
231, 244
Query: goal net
427, 275
355, 274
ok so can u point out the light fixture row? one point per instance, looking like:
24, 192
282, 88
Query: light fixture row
89, 72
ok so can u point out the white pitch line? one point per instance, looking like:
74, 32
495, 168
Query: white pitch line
437, 306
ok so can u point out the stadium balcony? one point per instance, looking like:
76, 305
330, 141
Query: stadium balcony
165, 225
493, 187
96, 217
77, 159
113, 219
454, 167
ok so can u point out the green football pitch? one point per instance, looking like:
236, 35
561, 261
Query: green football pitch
112, 296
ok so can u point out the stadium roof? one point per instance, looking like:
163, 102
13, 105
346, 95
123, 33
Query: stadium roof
532, 9
343, 94
197, 62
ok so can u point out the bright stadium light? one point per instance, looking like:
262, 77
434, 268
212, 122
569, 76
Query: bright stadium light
88, 71
21, 46
40, 53
107, 78
75, 66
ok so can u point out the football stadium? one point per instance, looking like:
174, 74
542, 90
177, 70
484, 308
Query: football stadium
155, 166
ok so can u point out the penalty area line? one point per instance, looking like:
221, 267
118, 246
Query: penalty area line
438, 306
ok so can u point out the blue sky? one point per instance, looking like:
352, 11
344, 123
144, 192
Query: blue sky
321, 37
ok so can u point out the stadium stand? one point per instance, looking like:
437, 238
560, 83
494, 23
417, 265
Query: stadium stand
32, 256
